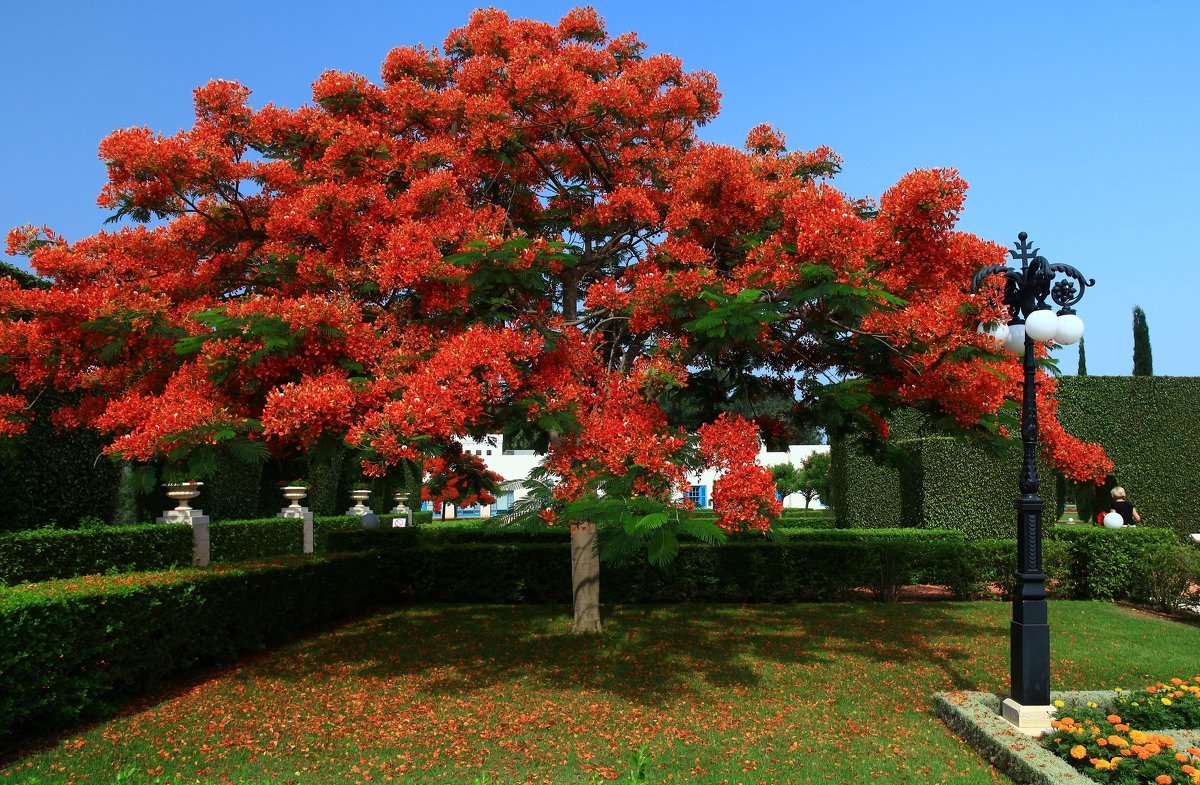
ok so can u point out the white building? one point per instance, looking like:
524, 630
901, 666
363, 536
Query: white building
516, 465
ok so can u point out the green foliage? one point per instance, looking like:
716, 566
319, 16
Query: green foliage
50, 475
1082, 360
809, 565
1168, 576
1144, 424
863, 492
72, 653
1143, 357
787, 478
232, 491
25, 280
49, 554
932, 481
815, 477
46, 554
1110, 564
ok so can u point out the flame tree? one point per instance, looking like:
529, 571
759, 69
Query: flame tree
520, 230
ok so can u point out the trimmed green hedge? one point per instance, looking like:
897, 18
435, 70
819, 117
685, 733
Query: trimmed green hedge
48, 554
1080, 563
864, 493
74, 650
807, 565
932, 482
1108, 564
48, 474
1146, 426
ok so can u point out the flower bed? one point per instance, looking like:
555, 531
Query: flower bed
1084, 742
1108, 743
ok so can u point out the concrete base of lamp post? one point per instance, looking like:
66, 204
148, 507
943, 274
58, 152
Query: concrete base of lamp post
1031, 720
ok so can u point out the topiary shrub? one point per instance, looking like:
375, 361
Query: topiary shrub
55, 475
1143, 423
1106, 564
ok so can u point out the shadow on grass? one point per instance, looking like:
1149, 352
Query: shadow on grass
646, 654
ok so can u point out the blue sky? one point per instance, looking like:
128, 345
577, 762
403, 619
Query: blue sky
1075, 122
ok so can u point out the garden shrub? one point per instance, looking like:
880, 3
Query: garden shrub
864, 493
993, 563
1106, 564
46, 554
75, 650
811, 565
1143, 423
55, 475
232, 492
1168, 577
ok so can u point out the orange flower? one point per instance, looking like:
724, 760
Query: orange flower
1113, 718
1163, 779
1079, 752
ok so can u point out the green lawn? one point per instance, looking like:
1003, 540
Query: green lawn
718, 694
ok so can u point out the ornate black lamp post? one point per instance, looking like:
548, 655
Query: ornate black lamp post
1030, 320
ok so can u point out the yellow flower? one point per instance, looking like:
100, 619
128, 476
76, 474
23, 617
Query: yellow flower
1166, 701
1059, 704
1138, 737
1091, 704
1117, 741
1079, 752
1101, 764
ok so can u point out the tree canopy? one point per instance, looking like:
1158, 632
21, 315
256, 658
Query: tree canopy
521, 230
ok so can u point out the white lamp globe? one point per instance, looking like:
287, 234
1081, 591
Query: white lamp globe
1041, 325
1015, 340
1113, 520
997, 332
1070, 329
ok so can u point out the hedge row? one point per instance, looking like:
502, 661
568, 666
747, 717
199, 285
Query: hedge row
1144, 423
1080, 563
48, 554
759, 571
932, 482
74, 650
52, 474
937, 482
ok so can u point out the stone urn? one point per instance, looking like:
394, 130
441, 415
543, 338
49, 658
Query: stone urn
360, 496
182, 493
293, 494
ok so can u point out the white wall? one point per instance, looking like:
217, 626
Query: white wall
516, 465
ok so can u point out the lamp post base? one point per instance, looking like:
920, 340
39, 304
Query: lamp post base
1031, 720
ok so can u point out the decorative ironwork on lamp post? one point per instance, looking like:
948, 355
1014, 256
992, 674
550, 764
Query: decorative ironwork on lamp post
1030, 320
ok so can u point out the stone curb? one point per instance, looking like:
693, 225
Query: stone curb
975, 717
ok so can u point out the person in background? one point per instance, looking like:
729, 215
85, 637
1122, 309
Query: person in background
1122, 505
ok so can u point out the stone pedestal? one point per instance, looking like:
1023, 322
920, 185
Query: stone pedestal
401, 509
306, 516
1032, 720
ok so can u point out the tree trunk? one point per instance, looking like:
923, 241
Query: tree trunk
585, 578
585, 561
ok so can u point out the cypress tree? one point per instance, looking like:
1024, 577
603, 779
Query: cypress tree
1143, 360
1082, 360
